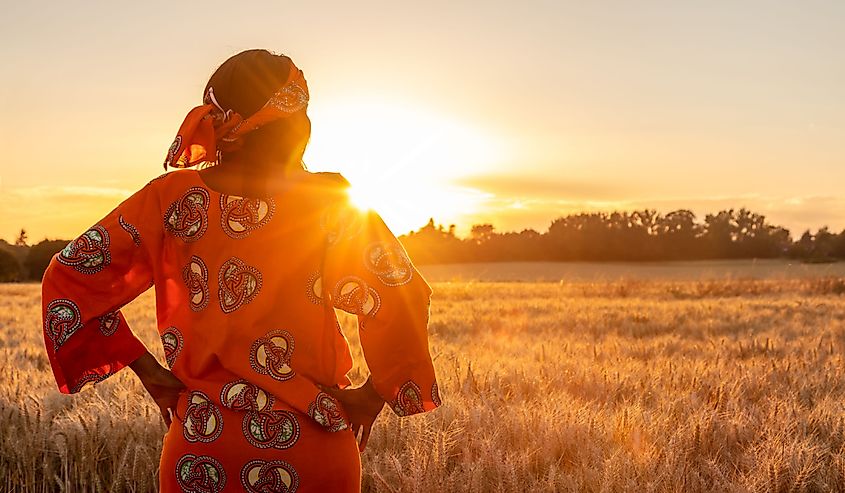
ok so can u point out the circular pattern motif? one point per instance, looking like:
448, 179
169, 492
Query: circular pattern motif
326, 411
409, 400
271, 354
172, 341
353, 295
242, 395
314, 287
435, 394
389, 262
271, 429
195, 275
132, 230
171, 153
240, 215
187, 218
109, 323
239, 284
61, 320
274, 476
203, 420
89, 253
200, 474
89, 377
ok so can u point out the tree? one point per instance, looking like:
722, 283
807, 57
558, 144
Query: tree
40, 255
10, 268
481, 232
21, 241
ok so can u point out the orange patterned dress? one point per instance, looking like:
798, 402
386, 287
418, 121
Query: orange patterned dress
245, 294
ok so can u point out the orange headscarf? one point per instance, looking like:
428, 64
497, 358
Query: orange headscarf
209, 128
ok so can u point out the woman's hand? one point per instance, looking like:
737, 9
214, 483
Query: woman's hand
362, 405
160, 383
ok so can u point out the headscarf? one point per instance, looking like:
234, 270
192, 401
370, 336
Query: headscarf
210, 128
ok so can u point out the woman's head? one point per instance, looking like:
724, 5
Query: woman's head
244, 83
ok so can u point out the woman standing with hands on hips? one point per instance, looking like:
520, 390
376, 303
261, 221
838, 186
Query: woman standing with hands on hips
249, 256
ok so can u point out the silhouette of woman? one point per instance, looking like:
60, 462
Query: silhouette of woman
249, 257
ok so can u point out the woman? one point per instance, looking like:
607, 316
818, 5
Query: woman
249, 256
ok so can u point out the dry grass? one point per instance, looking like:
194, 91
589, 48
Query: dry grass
621, 386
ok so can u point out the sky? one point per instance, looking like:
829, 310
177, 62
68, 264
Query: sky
509, 113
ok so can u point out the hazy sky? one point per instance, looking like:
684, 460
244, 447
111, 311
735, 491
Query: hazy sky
506, 112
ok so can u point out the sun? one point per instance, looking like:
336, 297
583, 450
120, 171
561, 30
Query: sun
402, 161
362, 198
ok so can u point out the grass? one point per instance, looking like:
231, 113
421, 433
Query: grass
647, 385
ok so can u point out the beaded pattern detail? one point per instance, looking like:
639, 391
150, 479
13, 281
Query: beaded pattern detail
132, 230
290, 98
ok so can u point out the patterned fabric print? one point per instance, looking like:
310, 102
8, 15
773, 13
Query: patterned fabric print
203, 420
172, 341
195, 275
389, 262
273, 476
187, 218
109, 323
200, 474
290, 98
313, 290
61, 320
340, 222
89, 377
435, 395
352, 294
89, 253
270, 355
326, 410
241, 216
239, 284
171, 153
409, 400
132, 230
241, 395
271, 429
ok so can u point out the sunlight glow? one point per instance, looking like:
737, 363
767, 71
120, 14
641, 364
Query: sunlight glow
401, 160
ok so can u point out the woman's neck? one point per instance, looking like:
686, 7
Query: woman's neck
237, 177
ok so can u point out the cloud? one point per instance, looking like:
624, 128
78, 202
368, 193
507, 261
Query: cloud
518, 203
55, 211
539, 186
69, 192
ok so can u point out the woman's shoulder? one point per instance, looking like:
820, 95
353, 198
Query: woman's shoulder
170, 177
325, 185
331, 177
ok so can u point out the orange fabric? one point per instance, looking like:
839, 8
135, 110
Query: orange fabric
209, 128
246, 318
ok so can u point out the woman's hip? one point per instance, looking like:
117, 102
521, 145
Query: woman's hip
212, 449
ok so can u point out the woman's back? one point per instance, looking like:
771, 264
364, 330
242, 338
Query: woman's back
245, 294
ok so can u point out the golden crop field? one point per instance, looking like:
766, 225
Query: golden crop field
649, 385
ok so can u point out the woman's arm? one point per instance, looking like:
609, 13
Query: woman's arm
160, 383
84, 287
369, 274
363, 405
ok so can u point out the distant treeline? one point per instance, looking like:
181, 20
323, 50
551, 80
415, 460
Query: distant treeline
595, 236
644, 235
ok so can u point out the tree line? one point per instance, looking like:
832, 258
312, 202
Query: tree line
643, 235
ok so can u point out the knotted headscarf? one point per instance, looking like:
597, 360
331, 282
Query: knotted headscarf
211, 128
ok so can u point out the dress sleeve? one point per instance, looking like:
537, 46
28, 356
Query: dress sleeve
85, 285
369, 274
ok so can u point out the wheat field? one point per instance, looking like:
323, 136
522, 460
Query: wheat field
649, 385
